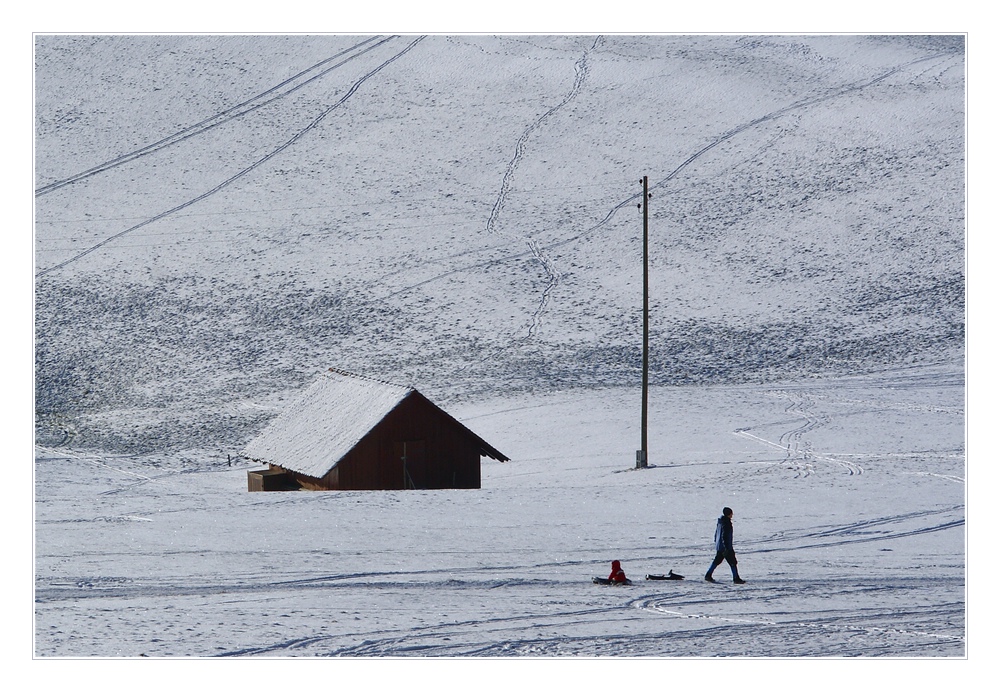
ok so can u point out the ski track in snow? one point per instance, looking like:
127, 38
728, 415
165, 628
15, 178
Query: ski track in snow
770, 615
799, 449
858, 551
721, 139
814, 623
772, 612
281, 90
538, 635
552, 273
229, 181
796, 449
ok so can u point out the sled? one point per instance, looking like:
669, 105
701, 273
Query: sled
607, 582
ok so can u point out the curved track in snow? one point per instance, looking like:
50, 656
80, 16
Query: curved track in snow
552, 273
262, 99
794, 107
229, 181
798, 450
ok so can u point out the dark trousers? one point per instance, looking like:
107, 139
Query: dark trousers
730, 557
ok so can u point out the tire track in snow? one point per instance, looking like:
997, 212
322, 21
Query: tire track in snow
226, 183
237, 111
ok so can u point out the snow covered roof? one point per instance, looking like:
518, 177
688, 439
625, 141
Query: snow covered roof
316, 430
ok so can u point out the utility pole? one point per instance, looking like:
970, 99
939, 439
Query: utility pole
641, 457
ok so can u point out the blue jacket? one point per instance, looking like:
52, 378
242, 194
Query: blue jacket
724, 534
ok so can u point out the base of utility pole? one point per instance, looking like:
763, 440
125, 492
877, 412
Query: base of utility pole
640, 459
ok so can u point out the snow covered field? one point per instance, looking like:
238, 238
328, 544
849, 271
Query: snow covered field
849, 503
218, 218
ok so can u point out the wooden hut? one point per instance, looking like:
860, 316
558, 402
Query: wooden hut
347, 432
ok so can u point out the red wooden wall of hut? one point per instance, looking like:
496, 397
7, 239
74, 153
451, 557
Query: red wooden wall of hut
439, 453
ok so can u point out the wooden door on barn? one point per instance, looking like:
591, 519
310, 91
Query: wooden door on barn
414, 456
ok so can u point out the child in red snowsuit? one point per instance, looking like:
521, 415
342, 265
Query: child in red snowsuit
617, 573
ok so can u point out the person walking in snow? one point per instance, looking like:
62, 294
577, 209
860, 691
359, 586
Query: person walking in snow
724, 546
617, 573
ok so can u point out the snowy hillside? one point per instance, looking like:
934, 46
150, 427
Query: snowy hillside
219, 218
